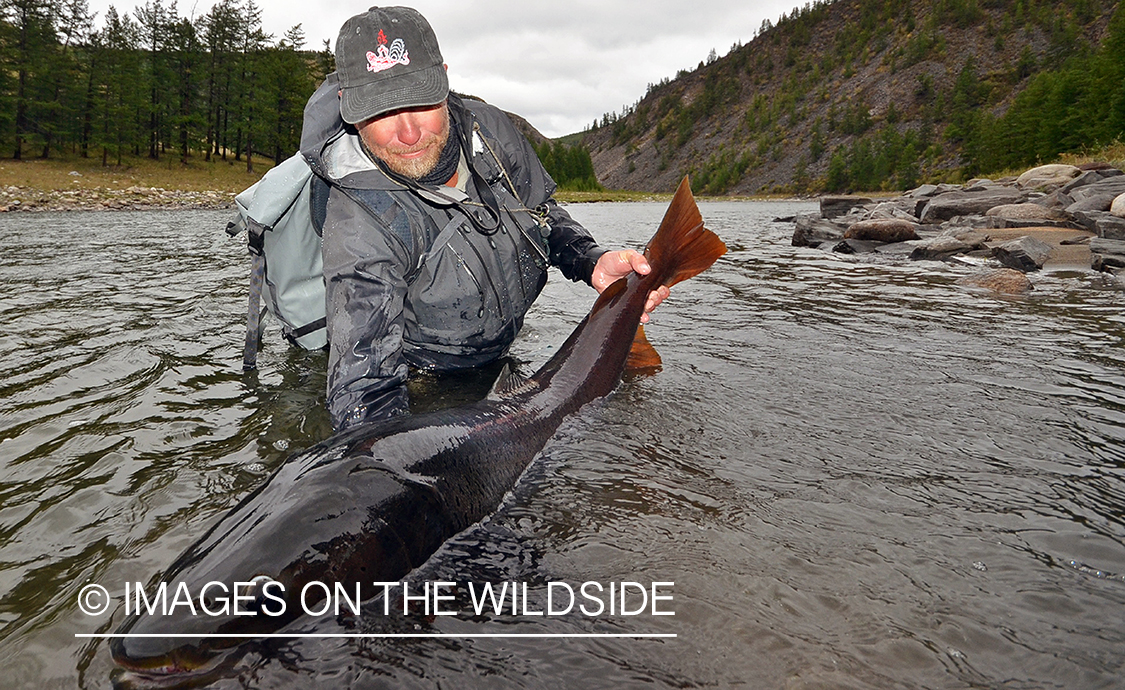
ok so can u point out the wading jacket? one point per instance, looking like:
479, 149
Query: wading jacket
410, 280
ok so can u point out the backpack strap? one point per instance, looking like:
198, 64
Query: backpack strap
318, 202
386, 210
254, 312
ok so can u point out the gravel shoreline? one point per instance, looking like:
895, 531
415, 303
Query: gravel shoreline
22, 199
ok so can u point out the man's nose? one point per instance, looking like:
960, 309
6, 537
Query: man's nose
407, 130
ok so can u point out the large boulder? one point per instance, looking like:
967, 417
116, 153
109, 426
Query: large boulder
1098, 165
1110, 227
939, 249
923, 191
1102, 223
883, 230
1006, 280
1048, 176
1097, 202
1088, 177
812, 231
1023, 254
952, 204
836, 206
1057, 199
952, 242
1117, 207
968, 235
928, 190
1114, 185
849, 246
901, 208
1027, 215
1107, 255
1025, 211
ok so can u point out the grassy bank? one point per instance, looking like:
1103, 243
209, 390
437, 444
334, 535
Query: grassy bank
75, 173
571, 197
47, 178
227, 178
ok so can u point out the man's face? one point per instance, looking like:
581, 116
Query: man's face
409, 141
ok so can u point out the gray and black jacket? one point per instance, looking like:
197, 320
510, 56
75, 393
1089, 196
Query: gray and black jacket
410, 280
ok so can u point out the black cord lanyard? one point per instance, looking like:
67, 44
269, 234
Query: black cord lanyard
484, 191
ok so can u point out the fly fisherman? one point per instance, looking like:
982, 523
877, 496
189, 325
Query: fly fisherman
440, 221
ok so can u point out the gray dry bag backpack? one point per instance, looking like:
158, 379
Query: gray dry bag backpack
283, 214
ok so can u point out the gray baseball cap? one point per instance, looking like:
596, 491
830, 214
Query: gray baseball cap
387, 59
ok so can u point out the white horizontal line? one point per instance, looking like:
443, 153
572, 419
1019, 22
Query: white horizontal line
292, 636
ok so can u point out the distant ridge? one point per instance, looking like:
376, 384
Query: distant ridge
892, 85
533, 135
525, 128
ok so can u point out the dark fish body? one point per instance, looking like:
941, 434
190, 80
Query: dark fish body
376, 501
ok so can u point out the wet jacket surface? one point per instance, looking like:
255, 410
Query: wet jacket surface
410, 281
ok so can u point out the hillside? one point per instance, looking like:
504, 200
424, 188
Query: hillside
853, 93
527, 129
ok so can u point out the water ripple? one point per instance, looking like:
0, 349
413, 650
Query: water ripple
858, 473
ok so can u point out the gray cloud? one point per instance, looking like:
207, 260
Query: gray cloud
560, 65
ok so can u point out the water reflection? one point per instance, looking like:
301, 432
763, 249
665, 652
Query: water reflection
857, 473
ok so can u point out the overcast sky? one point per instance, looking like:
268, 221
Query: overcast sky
559, 64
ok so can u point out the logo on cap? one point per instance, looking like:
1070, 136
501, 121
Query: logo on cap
385, 58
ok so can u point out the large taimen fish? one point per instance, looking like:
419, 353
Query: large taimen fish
372, 503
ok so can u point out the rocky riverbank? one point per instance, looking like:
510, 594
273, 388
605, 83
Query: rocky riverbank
134, 198
1053, 215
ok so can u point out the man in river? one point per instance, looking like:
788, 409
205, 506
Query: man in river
440, 221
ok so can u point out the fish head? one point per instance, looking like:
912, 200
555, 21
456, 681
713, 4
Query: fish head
276, 558
186, 666
168, 642
243, 579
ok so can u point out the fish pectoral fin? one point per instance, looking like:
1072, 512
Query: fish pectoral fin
643, 359
509, 382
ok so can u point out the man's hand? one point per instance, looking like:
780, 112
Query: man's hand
615, 265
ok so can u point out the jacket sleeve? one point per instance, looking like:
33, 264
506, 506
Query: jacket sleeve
572, 249
364, 286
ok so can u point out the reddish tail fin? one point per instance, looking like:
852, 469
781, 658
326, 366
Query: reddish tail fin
682, 247
643, 359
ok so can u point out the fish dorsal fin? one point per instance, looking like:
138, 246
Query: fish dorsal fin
509, 382
643, 359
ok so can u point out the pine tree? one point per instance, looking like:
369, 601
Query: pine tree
115, 51
219, 30
185, 57
30, 29
150, 21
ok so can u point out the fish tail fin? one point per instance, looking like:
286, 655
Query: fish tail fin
682, 247
643, 359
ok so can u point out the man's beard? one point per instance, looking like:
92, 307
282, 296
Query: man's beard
414, 168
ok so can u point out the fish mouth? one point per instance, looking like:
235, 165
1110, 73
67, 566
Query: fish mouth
181, 668
124, 679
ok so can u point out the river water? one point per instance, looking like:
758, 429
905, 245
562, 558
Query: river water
856, 474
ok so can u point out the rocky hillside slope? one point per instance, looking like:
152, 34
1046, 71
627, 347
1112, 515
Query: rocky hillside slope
852, 82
